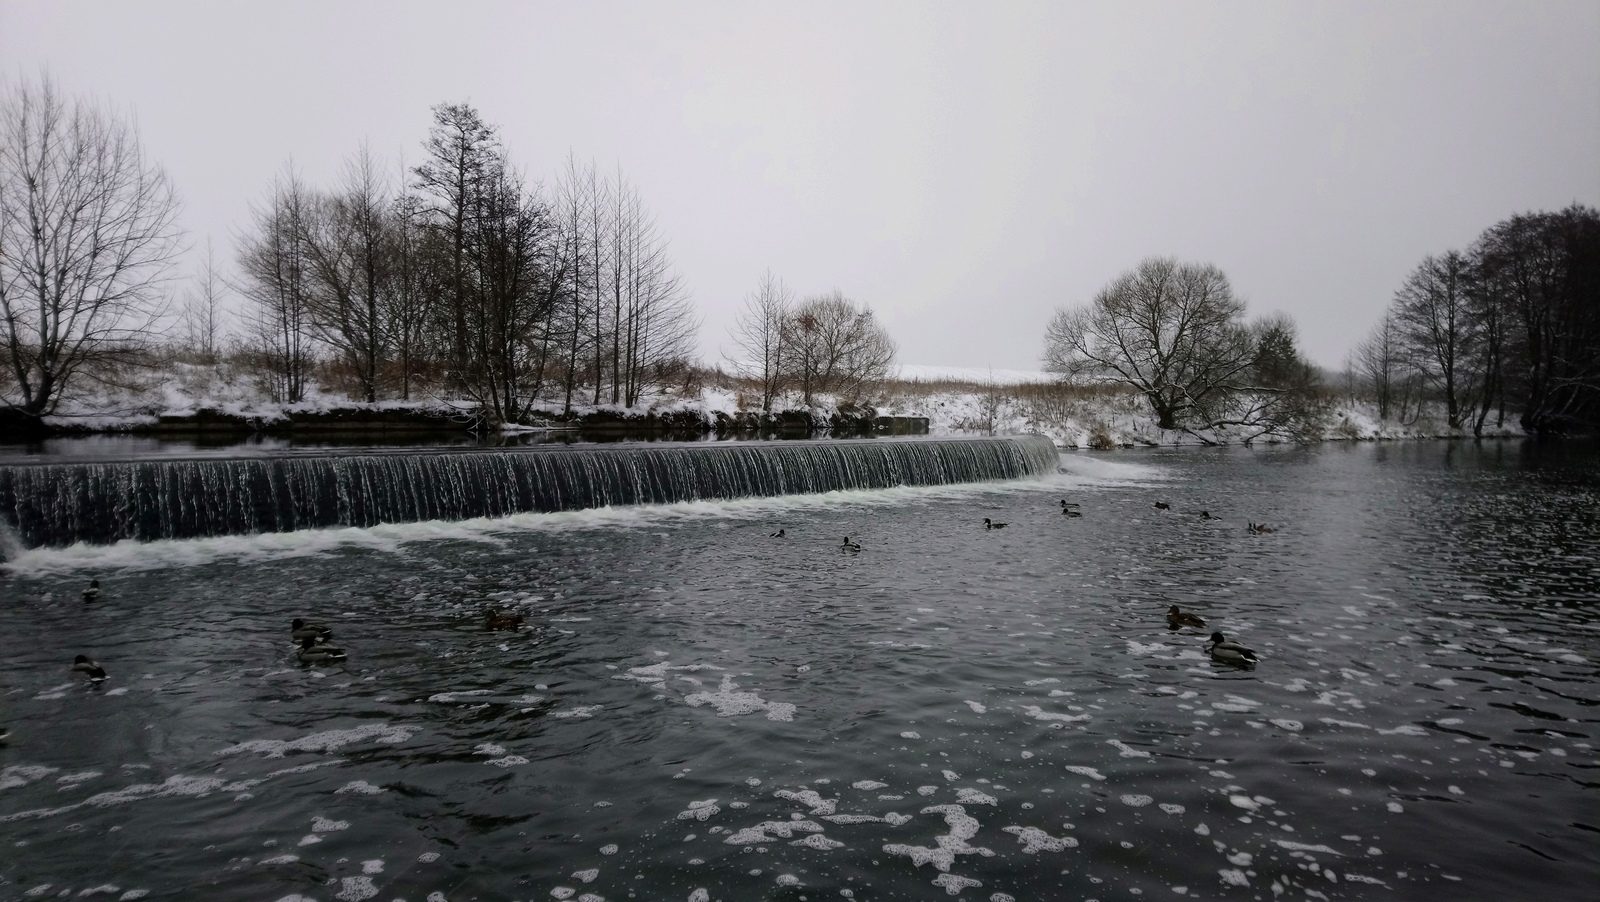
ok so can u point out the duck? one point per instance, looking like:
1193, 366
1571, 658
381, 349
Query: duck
1225, 651
299, 630
1163, 506
1070, 509
502, 620
93, 592
1259, 528
777, 535
313, 652
849, 545
1178, 619
82, 664
1206, 515
990, 524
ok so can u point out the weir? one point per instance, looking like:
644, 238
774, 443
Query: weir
53, 505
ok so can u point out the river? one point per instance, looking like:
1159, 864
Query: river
698, 710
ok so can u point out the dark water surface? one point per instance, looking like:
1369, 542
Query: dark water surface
702, 712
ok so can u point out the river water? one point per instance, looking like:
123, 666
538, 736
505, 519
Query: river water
699, 711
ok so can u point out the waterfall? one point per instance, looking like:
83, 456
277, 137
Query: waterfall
103, 502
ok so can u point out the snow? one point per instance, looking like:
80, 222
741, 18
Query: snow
955, 400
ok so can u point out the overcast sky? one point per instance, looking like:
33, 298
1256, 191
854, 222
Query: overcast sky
964, 168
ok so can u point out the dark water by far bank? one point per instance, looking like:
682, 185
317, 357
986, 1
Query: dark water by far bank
703, 712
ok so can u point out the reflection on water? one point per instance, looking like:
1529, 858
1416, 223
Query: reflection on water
700, 707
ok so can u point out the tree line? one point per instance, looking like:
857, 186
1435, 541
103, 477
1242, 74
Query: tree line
454, 279
1176, 333
463, 280
1511, 325
826, 343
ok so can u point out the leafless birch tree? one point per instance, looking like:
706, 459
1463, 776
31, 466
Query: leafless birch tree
758, 335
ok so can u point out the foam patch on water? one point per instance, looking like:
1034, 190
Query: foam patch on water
954, 883
1038, 713
730, 702
1034, 840
975, 797
700, 810
770, 831
326, 741
391, 538
356, 889
810, 799
947, 846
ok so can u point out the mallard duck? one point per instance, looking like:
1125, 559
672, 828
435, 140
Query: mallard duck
502, 620
93, 592
82, 665
1226, 651
1070, 509
1259, 528
1163, 506
1066, 503
990, 524
776, 535
849, 545
1177, 618
299, 630
313, 652
1206, 515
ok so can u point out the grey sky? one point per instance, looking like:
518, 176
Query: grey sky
964, 168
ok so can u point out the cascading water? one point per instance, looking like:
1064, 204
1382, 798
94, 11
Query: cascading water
60, 504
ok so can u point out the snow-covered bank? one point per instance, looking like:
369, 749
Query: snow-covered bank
955, 401
1115, 418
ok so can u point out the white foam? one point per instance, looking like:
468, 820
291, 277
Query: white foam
326, 741
1135, 800
507, 761
810, 799
1034, 840
586, 876
766, 831
392, 538
1038, 713
953, 883
355, 889
977, 707
699, 810
1126, 750
974, 797
867, 785
323, 825
457, 696
819, 842
1082, 771
947, 846
582, 712
359, 787
730, 702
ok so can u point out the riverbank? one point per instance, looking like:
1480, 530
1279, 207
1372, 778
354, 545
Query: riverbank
209, 402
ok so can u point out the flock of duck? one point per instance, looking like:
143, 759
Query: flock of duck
314, 641
1222, 649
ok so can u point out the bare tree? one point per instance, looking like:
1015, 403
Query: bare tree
347, 244
463, 155
1432, 313
202, 311
88, 233
758, 334
1379, 361
839, 347
275, 273
1173, 331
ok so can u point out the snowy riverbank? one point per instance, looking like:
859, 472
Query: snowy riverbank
954, 402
